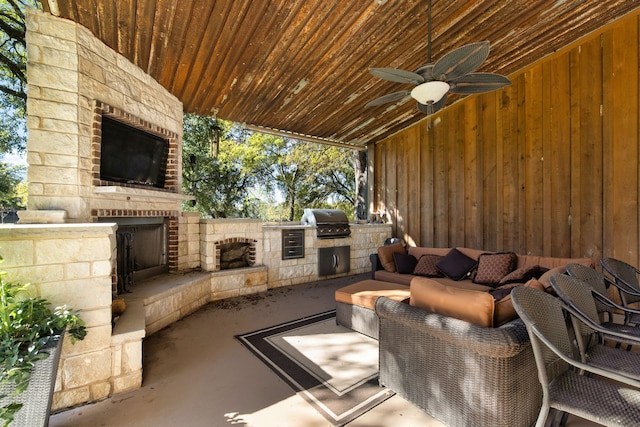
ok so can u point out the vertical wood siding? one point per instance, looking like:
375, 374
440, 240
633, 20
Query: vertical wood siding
548, 165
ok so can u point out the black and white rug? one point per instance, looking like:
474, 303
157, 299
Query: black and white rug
332, 367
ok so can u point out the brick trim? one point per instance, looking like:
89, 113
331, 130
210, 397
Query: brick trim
171, 168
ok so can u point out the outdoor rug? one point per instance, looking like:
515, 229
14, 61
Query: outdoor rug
332, 367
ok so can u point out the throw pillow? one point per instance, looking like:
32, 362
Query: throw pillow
521, 275
493, 267
427, 266
456, 265
405, 263
385, 253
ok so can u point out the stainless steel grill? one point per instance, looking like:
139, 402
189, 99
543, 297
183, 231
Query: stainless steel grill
329, 223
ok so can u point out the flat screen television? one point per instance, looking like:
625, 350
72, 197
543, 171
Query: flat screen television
131, 155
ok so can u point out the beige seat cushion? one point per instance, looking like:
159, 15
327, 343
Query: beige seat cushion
472, 306
366, 292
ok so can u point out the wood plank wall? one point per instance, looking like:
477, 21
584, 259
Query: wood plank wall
548, 165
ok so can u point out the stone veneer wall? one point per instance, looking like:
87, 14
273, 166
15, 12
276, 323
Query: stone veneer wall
72, 76
188, 241
70, 264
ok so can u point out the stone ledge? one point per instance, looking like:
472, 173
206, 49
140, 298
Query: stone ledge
141, 193
130, 326
41, 216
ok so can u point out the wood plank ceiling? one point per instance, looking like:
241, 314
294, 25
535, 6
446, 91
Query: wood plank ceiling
300, 66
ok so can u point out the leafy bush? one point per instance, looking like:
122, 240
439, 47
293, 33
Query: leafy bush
28, 325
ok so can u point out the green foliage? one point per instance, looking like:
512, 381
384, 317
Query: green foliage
306, 174
216, 179
13, 73
11, 192
27, 326
233, 173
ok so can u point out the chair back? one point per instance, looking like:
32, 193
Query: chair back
543, 316
598, 282
578, 294
625, 276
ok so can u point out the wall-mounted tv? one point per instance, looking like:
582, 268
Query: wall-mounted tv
131, 155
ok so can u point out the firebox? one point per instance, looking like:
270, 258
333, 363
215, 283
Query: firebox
142, 249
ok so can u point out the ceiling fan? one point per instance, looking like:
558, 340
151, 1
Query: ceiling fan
453, 73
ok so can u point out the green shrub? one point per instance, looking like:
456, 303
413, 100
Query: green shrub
28, 325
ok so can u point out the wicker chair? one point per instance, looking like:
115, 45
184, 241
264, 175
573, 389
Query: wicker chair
589, 333
626, 280
612, 398
599, 284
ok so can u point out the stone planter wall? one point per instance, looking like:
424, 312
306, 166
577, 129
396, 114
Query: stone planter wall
70, 264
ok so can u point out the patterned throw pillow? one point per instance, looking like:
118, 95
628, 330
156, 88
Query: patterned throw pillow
427, 266
405, 263
456, 265
522, 275
493, 267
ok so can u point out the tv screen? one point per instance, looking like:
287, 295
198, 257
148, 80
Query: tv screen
131, 155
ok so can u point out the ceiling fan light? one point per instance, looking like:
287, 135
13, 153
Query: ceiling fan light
430, 91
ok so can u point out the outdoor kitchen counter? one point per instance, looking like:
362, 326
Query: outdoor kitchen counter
363, 241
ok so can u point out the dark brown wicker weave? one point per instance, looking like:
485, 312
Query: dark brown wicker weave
599, 283
565, 389
584, 317
626, 280
459, 373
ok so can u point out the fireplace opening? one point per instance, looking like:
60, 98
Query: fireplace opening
235, 253
142, 250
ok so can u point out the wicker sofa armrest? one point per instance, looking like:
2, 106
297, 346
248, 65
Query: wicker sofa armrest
375, 265
501, 342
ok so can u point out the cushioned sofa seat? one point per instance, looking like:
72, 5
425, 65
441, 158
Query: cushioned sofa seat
461, 374
355, 304
457, 349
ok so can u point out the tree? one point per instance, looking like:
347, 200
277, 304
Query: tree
13, 73
210, 172
11, 195
306, 174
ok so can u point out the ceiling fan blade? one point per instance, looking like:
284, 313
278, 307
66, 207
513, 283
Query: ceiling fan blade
432, 108
478, 83
461, 61
394, 75
426, 71
388, 98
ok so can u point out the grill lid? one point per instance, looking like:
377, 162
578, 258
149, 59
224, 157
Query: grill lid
329, 223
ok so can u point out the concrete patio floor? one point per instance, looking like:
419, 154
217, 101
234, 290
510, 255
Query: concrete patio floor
197, 374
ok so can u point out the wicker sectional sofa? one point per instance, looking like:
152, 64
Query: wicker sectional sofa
459, 371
